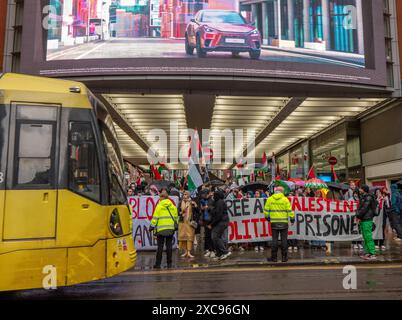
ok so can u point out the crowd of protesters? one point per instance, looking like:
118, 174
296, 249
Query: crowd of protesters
204, 217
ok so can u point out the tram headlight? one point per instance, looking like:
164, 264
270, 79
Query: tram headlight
115, 223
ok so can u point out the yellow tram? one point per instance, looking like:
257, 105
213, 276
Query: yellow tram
63, 208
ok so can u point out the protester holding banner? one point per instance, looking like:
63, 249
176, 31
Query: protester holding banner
277, 211
258, 246
164, 222
365, 214
187, 225
353, 194
385, 205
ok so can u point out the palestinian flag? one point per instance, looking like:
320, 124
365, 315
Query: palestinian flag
194, 179
264, 163
334, 174
162, 167
156, 173
311, 173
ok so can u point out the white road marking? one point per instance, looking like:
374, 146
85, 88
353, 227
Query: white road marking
90, 51
59, 54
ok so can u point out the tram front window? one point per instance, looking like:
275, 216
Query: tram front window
116, 168
84, 176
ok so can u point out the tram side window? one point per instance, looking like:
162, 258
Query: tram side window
84, 173
34, 160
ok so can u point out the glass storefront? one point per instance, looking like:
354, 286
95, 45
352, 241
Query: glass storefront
282, 163
342, 143
299, 161
326, 146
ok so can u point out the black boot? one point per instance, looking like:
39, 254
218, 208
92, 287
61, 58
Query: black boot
274, 256
272, 259
285, 256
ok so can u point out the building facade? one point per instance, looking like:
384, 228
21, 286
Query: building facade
382, 151
324, 25
3, 14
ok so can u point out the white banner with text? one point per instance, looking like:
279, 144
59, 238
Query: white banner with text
315, 219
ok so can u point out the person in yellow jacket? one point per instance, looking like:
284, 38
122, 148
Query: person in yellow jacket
164, 223
278, 211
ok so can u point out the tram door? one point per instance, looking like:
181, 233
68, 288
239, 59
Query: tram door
31, 195
4, 117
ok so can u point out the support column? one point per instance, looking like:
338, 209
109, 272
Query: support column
291, 15
9, 37
254, 13
360, 28
265, 31
279, 21
306, 20
326, 25
276, 23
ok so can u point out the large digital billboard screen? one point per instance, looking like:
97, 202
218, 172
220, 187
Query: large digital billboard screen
330, 40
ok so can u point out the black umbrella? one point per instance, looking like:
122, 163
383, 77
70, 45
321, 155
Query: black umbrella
254, 186
338, 186
160, 184
374, 189
216, 182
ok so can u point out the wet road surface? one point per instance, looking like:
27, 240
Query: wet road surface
280, 282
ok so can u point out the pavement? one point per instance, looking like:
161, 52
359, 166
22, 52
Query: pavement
354, 59
341, 254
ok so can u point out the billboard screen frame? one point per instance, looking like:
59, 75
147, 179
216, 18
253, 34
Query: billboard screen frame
33, 58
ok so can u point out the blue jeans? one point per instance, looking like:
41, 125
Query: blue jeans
318, 243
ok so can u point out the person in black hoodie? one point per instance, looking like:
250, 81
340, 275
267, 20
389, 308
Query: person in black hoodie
365, 215
219, 222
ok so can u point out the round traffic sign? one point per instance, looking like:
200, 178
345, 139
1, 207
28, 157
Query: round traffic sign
332, 161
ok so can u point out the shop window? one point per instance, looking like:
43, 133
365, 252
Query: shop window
84, 176
353, 150
332, 144
299, 163
283, 165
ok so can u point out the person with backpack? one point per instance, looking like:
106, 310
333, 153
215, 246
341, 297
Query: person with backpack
396, 212
218, 224
366, 211
164, 223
